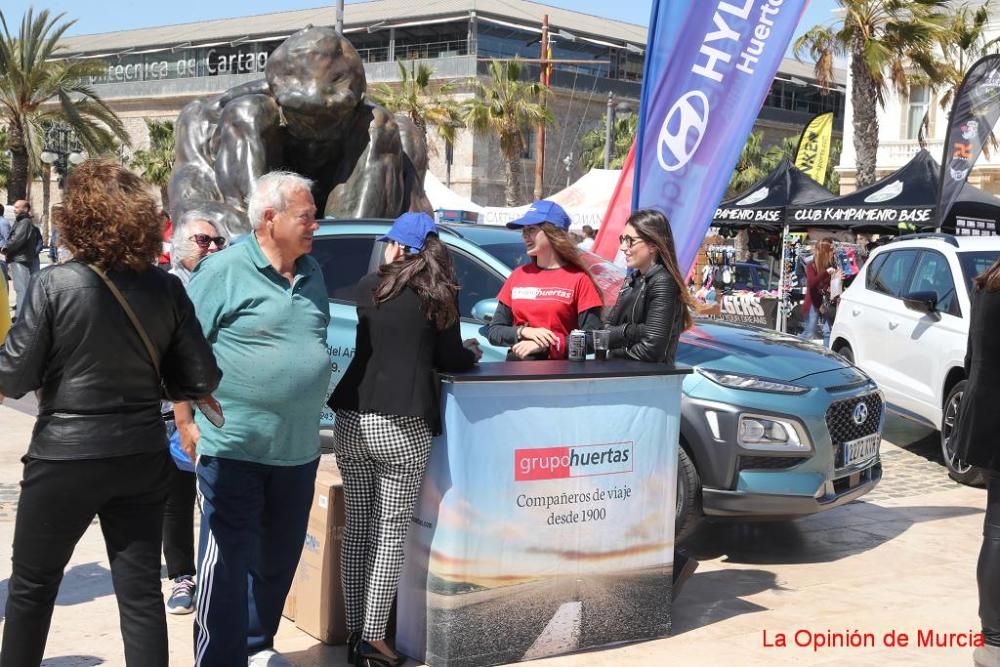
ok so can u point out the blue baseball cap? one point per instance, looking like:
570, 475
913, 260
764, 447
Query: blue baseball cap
410, 230
542, 211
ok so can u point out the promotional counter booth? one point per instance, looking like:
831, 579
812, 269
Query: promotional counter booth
545, 523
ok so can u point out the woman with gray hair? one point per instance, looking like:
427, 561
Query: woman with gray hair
196, 236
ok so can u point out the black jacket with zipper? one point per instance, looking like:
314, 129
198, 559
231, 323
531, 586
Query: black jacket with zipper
98, 391
396, 353
22, 246
646, 321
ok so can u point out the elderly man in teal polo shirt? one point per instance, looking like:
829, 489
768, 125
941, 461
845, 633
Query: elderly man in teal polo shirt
263, 307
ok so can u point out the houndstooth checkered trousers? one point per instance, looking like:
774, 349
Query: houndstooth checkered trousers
382, 459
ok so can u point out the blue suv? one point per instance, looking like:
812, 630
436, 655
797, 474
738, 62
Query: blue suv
772, 427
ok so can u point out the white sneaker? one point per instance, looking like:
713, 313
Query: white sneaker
268, 658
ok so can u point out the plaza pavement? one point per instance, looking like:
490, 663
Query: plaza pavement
902, 560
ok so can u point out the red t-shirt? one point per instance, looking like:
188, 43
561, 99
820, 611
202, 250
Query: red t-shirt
168, 237
549, 298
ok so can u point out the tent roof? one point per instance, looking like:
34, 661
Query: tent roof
765, 202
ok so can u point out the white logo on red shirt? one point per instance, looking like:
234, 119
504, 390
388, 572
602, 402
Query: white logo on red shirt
543, 294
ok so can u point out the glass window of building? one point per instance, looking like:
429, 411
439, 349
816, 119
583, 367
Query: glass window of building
919, 101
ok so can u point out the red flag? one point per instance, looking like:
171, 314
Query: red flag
606, 244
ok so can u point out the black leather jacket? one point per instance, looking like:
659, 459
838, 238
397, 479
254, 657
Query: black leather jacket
21, 246
647, 318
99, 395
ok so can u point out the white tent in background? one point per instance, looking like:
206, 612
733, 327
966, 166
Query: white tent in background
443, 197
586, 201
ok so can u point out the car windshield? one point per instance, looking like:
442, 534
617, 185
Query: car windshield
976, 263
512, 255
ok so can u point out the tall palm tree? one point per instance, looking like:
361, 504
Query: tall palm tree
505, 106
415, 99
592, 143
961, 44
4, 158
755, 163
885, 40
36, 89
156, 163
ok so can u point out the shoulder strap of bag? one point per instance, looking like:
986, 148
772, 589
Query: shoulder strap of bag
131, 316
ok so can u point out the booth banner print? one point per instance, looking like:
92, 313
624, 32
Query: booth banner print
813, 154
545, 523
748, 215
749, 309
974, 112
709, 66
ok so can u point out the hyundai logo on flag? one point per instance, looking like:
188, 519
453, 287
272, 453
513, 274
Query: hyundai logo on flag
682, 131
860, 414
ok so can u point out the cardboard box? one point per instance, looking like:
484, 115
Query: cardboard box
289, 609
318, 597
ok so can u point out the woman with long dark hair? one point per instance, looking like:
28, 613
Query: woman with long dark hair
976, 444
818, 275
654, 306
542, 301
387, 407
99, 448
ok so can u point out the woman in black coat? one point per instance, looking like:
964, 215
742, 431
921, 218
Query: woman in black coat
387, 408
976, 444
653, 307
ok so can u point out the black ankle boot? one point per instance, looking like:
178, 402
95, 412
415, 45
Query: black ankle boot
369, 656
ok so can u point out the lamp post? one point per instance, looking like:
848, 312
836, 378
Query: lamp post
622, 108
61, 149
449, 151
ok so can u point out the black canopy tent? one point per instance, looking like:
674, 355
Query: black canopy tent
766, 202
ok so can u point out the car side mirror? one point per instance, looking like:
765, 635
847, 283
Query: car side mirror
485, 309
922, 302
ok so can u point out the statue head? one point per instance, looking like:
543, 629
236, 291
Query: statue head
318, 80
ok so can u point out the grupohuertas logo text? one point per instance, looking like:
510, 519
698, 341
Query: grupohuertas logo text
572, 461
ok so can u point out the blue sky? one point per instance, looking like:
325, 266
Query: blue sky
94, 16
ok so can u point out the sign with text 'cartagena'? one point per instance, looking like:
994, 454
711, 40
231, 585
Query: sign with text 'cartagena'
709, 66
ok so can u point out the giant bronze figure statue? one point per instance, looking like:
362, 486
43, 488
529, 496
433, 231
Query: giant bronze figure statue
309, 115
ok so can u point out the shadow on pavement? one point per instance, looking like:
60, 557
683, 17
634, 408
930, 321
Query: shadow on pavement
83, 583
822, 538
73, 661
318, 654
715, 596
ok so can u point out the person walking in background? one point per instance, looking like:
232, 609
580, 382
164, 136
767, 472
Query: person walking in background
388, 408
5, 228
263, 306
23, 247
544, 300
817, 306
976, 444
196, 237
99, 448
168, 239
589, 237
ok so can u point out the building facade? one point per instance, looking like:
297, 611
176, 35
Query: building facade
152, 73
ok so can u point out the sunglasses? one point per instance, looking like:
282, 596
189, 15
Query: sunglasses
204, 240
629, 241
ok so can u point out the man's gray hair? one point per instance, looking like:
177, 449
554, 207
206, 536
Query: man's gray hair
181, 245
271, 191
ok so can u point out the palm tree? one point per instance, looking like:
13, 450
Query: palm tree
156, 163
4, 158
885, 40
37, 89
623, 133
962, 43
504, 106
755, 163
414, 98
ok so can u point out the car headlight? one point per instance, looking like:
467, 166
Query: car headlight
751, 382
768, 433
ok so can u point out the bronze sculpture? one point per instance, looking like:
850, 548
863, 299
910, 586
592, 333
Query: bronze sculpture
309, 115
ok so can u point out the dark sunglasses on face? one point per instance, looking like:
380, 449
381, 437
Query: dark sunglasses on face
204, 240
629, 241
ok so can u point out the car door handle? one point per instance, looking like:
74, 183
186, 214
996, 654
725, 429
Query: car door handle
893, 325
855, 311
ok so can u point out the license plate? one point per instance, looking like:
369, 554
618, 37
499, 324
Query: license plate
862, 449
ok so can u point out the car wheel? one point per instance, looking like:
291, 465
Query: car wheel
688, 498
958, 470
846, 352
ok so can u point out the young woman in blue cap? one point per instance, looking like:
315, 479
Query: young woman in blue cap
387, 410
543, 301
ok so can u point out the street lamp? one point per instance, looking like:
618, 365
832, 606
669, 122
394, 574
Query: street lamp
449, 151
622, 108
61, 149
568, 163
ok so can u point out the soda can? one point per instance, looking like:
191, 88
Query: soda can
576, 345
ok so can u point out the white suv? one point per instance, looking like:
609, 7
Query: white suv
905, 321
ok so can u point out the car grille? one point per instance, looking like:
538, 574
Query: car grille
840, 422
769, 462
